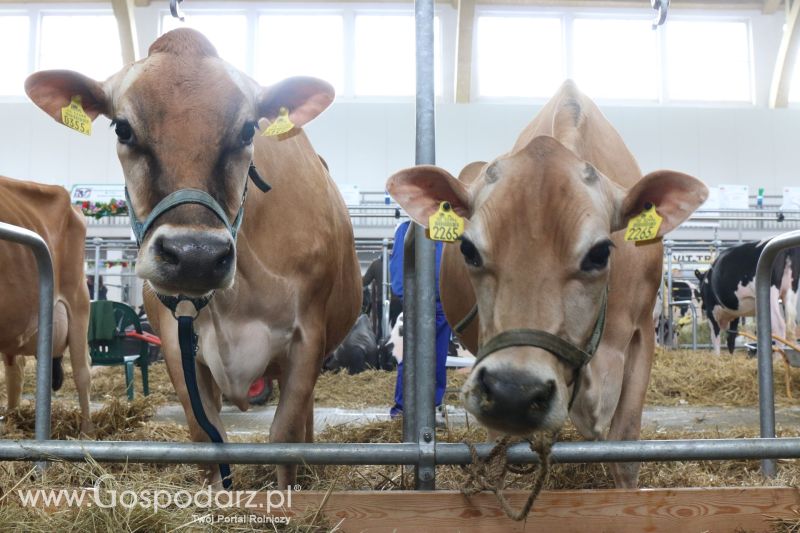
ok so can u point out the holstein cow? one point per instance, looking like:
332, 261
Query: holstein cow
288, 289
46, 210
728, 291
541, 249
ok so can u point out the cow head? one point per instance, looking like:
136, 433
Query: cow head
184, 119
537, 245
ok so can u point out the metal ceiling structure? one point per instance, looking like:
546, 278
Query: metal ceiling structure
784, 64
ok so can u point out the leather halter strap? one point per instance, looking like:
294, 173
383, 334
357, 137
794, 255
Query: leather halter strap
572, 355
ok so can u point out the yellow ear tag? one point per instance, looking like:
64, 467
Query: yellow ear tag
73, 116
280, 125
445, 225
644, 227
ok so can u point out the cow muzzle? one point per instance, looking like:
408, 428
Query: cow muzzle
515, 400
191, 262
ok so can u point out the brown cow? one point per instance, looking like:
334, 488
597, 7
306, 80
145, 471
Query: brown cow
542, 245
46, 210
288, 290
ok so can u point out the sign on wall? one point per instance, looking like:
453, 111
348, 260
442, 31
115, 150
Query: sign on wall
97, 193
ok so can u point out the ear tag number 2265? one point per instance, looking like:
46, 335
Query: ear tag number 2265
445, 225
644, 226
73, 116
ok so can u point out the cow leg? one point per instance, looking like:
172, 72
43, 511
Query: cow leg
790, 311
310, 423
15, 366
297, 393
714, 331
626, 423
79, 358
778, 323
731, 333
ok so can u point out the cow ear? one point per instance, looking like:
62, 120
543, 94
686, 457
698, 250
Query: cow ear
675, 196
698, 275
53, 90
421, 189
304, 98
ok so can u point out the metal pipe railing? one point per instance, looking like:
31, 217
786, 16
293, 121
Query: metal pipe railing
425, 278
44, 339
393, 453
766, 394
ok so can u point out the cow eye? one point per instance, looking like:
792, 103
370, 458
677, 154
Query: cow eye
597, 258
124, 131
248, 132
471, 254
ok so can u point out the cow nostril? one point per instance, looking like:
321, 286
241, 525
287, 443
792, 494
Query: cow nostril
166, 252
226, 256
542, 395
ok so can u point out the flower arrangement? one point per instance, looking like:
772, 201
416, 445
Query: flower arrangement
104, 209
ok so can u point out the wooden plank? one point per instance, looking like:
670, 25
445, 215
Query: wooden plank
717, 510
464, 39
784, 64
123, 11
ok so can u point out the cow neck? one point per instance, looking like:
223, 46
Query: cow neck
186, 309
574, 356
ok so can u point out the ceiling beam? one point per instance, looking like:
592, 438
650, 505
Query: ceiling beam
123, 11
771, 6
787, 56
464, 32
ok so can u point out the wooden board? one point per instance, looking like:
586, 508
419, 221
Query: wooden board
715, 510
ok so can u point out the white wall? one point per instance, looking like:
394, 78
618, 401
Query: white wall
365, 142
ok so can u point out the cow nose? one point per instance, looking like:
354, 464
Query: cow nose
518, 399
195, 262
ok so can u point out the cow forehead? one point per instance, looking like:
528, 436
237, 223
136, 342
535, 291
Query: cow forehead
553, 200
197, 92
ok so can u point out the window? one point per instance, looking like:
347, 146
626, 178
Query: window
616, 58
385, 60
519, 56
88, 44
708, 60
308, 45
228, 34
14, 35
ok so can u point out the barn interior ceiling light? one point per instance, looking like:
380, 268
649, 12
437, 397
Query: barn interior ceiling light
175, 9
661, 6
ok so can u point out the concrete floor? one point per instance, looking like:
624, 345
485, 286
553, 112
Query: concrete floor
258, 419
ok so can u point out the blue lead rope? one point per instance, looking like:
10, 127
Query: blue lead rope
188, 343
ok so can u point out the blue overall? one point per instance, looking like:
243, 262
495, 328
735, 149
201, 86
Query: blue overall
443, 332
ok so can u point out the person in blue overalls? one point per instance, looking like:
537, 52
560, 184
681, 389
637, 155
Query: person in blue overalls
443, 332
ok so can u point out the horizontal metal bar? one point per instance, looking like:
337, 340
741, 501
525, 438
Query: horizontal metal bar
394, 453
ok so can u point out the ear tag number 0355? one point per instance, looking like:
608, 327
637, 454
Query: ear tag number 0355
445, 225
73, 116
282, 124
644, 226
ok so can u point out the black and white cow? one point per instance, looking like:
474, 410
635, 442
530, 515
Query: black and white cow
728, 290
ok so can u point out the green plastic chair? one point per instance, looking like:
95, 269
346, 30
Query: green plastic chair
108, 344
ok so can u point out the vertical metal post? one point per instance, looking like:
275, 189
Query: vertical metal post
668, 249
44, 337
425, 257
409, 337
385, 301
97, 242
766, 394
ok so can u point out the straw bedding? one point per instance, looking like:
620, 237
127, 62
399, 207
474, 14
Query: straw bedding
679, 378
